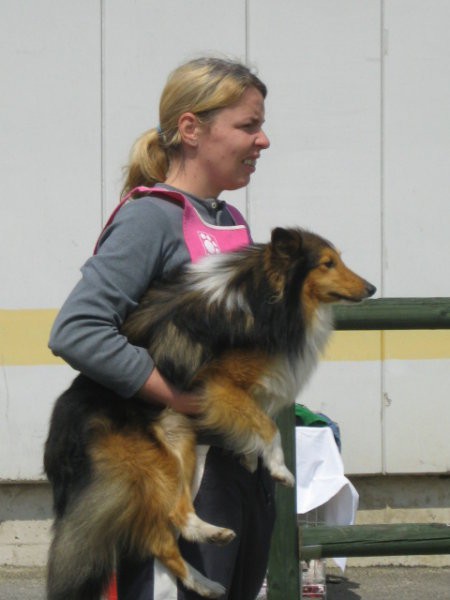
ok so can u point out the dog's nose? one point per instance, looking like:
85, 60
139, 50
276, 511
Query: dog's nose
371, 289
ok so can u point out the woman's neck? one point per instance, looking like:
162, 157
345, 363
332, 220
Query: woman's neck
187, 179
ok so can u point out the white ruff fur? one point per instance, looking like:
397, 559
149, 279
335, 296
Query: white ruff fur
317, 336
279, 388
212, 278
283, 383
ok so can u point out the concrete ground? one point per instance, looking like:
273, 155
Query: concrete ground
389, 583
358, 583
25, 583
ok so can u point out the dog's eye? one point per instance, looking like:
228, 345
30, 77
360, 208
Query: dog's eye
329, 264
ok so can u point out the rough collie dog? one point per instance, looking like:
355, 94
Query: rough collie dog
244, 331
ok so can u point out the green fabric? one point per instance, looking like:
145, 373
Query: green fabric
309, 418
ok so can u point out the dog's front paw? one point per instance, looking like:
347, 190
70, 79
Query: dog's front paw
222, 536
282, 474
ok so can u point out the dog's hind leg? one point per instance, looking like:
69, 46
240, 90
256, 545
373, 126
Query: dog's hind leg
194, 529
167, 552
178, 437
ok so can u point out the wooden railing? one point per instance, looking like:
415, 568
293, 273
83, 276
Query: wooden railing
380, 314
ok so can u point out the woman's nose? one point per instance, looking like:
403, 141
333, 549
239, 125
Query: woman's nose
262, 140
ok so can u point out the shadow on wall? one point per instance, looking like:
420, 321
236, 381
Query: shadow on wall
400, 492
33, 501
25, 501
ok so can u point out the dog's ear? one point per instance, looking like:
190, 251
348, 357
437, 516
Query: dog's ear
286, 243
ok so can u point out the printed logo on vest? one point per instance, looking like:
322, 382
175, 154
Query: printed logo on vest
209, 243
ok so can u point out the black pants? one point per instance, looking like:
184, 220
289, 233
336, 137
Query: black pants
229, 496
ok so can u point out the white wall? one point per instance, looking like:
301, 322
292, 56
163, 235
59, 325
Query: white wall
415, 203
323, 68
358, 116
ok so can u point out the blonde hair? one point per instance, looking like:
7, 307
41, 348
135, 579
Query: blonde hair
202, 86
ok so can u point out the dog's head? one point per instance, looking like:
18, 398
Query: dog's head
315, 263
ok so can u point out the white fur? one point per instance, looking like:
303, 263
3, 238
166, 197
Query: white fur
280, 387
250, 461
202, 585
212, 279
273, 458
287, 377
317, 335
197, 530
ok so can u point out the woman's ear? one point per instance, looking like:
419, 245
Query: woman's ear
189, 128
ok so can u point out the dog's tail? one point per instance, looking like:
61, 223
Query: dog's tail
82, 555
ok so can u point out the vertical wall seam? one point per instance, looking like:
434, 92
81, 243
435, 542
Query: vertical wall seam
248, 214
102, 113
246, 26
382, 233
383, 52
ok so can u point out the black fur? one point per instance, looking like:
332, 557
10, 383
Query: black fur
184, 331
66, 462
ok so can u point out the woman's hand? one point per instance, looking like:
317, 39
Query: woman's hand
158, 390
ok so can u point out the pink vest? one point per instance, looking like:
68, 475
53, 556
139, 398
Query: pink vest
201, 238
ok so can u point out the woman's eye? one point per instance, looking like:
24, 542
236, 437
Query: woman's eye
250, 126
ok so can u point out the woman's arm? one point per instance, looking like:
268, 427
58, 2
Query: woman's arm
144, 242
158, 390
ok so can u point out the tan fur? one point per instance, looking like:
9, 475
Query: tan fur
140, 498
327, 284
229, 406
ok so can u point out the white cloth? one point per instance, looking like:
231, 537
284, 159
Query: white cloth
321, 480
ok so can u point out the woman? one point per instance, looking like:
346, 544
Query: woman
209, 139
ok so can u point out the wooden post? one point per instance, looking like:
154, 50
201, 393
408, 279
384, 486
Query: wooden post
284, 571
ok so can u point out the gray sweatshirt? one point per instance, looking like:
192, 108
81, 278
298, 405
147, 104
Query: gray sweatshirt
144, 243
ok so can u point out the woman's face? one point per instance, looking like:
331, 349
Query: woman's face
230, 145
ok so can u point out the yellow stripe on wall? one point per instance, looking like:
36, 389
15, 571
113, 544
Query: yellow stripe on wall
420, 344
389, 345
24, 336
354, 346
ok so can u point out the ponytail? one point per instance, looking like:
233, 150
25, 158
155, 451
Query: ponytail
148, 163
